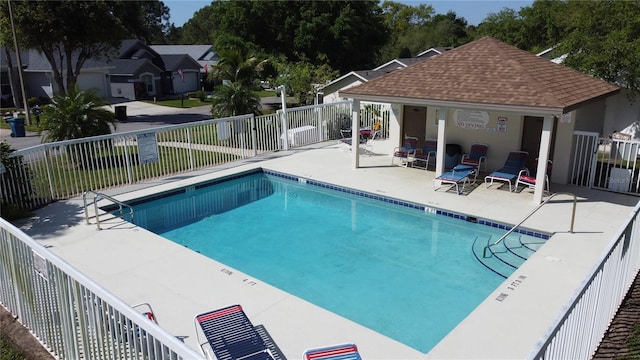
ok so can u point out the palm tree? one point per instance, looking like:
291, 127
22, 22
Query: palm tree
235, 99
75, 115
235, 66
238, 94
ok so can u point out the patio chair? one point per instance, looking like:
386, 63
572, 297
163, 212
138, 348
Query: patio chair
408, 149
426, 154
334, 352
231, 335
477, 156
377, 129
509, 172
365, 135
458, 175
529, 179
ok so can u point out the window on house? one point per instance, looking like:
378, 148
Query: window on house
148, 81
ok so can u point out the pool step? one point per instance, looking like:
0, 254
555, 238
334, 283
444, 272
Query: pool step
508, 255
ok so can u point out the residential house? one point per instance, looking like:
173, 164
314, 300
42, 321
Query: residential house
622, 114
330, 91
136, 71
38, 76
203, 54
140, 72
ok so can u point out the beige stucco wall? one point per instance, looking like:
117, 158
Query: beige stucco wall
500, 143
590, 117
620, 112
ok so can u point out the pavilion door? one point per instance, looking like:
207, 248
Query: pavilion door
415, 122
531, 134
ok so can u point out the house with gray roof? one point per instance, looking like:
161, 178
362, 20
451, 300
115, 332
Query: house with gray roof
139, 72
330, 91
134, 71
203, 54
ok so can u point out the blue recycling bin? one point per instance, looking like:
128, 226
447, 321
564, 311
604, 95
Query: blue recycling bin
17, 127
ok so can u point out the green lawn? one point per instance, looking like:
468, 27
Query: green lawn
8, 351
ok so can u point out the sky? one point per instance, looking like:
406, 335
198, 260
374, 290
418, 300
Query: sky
474, 11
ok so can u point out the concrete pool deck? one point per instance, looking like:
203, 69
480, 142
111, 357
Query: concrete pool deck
138, 266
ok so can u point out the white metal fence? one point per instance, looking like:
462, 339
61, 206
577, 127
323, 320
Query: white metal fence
577, 332
61, 170
73, 317
605, 163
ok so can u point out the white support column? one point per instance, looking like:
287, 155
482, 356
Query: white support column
543, 157
355, 133
442, 136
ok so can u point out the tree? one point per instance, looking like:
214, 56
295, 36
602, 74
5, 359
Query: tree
506, 26
75, 115
239, 72
603, 40
236, 66
69, 32
533, 28
235, 99
349, 33
302, 79
403, 21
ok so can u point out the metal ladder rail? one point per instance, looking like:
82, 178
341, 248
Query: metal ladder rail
573, 217
97, 197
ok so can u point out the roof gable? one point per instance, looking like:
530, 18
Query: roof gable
487, 71
177, 62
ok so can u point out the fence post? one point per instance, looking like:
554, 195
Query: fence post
191, 162
254, 135
285, 130
128, 162
47, 157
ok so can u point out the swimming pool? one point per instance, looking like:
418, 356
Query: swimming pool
400, 269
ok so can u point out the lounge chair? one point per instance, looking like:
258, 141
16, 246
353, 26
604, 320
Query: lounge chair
460, 174
426, 154
346, 140
334, 352
509, 172
408, 149
476, 156
529, 179
231, 335
377, 129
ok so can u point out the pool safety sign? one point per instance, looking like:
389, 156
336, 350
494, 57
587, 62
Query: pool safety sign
471, 119
147, 148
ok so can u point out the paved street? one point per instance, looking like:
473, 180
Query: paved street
140, 115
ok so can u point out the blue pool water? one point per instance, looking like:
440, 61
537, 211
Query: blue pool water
405, 273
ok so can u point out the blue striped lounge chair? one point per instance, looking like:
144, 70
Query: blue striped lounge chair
516, 161
231, 335
477, 156
460, 174
334, 352
408, 149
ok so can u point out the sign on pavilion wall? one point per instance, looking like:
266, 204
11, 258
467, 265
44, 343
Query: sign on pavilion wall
471, 119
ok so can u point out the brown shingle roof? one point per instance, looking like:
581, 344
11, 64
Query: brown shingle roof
486, 72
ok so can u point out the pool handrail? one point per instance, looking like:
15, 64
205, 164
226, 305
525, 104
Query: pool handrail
573, 217
97, 197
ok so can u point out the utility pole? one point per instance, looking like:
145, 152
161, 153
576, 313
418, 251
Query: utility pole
19, 59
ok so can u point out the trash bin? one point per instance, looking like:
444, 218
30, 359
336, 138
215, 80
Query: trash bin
453, 153
17, 127
121, 113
